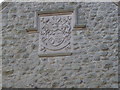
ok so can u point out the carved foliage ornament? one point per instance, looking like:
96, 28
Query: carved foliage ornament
55, 33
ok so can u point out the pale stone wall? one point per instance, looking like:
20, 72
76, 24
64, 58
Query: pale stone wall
0, 50
95, 66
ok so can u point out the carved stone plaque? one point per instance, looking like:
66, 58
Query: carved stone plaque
55, 34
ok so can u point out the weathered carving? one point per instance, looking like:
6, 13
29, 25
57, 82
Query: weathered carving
56, 31
55, 34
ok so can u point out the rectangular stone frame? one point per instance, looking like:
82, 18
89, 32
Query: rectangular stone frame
56, 13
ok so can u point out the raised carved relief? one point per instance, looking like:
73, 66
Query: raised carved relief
55, 34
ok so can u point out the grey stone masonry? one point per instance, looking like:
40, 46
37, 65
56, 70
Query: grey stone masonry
94, 41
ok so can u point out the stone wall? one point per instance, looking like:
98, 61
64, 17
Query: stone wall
95, 66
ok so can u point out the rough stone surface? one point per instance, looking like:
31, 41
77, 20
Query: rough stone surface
95, 66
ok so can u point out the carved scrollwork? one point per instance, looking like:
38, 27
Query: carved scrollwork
55, 32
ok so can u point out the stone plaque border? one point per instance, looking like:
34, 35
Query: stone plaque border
57, 13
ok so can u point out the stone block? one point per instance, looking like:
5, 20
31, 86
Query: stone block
104, 47
76, 66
